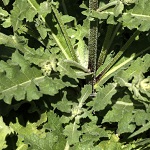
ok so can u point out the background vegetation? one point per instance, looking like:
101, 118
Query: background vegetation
74, 75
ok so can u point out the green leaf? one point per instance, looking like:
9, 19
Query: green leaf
4, 131
6, 23
55, 127
80, 33
67, 18
141, 117
118, 9
139, 47
28, 78
14, 42
126, 124
128, 2
65, 68
84, 145
91, 133
20, 12
5, 2
72, 132
119, 110
38, 143
78, 111
71, 55
10, 86
26, 132
64, 105
141, 130
40, 137
85, 93
103, 97
3, 13
45, 84
137, 16
54, 123
41, 28
134, 70
111, 144
44, 8
39, 56
133, 77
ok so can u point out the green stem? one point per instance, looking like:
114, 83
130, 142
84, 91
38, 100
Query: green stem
119, 54
92, 43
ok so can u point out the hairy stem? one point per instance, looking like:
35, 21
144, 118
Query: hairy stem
92, 44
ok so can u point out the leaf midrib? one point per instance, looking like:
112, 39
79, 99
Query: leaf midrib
23, 84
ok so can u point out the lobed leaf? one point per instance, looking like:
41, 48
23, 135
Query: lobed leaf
133, 77
92, 133
36, 138
103, 97
141, 130
20, 81
19, 13
126, 124
119, 110
135, 15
